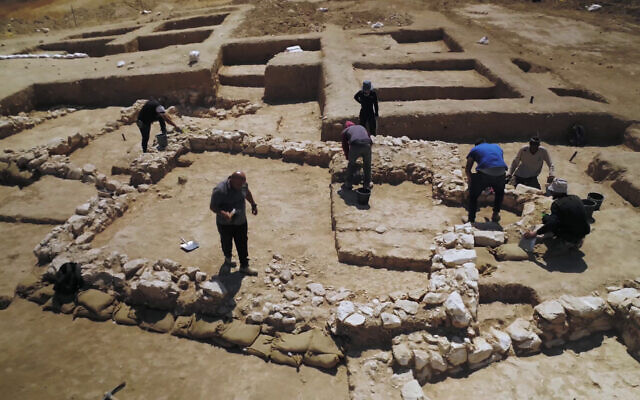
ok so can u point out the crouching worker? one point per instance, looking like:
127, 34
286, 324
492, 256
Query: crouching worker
228, 203
490, 172
528, 164
356, 143
568, 221
150, 112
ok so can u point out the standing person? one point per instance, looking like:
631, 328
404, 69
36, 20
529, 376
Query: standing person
528, 164
228, 203
356, 143
490, 172
368, 100
152, 111
568, 220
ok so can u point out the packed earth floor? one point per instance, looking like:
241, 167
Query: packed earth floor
399, 299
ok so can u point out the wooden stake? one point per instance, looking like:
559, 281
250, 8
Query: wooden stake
75, 22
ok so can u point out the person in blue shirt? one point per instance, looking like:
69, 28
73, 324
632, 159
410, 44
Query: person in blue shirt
490, 172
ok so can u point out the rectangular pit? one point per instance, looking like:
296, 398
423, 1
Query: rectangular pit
104, 33
161, 40
192, 22
406, 36
293, 77
581, 93
242, 75
94, 47
260, 51
434, 79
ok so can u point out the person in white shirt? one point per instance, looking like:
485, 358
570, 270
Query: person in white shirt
527, 165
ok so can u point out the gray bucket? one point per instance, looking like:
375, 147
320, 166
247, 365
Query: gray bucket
589, 207
363, 195
162, 141
597, 198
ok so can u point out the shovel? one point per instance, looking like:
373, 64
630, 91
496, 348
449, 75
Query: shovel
188, 246
109, 395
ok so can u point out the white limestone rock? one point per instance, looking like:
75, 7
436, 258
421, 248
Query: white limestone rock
617, 297
457, 311
390, 321
421, 358
345, 308
502, 341
316, 288
466, 240
488, 238
586, 307
481, 350
412, 391
436, 362
354, 320
131, 267
551, 310
408, 306
457, 354
455, 257
214, 288
402, 354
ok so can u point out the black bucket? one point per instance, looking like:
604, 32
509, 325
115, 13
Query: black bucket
363, 195
162, 141
589, 207
597, 198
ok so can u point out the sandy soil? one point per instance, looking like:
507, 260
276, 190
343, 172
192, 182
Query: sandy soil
587, 370
49, 200
48, 355
411, 78
16, 255
83, 359
90, 121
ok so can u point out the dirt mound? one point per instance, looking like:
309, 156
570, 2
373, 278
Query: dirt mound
285, 17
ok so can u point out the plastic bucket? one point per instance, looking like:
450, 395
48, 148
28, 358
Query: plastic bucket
162, 141
589, 207
363, 195
597, 198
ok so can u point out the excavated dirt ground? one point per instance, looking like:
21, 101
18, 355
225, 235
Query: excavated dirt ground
43, 354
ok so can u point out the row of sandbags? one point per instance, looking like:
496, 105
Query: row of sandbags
314, 347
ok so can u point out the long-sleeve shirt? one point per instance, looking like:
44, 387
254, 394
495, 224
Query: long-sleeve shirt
368, 103
354, 134
568, 219
527, 165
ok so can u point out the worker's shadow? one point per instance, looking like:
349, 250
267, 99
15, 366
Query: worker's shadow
232, 281
351, 198
557, 257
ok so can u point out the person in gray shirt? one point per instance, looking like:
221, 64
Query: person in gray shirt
228, 203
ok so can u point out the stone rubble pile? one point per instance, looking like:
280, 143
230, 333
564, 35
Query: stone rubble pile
235, 111
149, 168
432, 356
13, 124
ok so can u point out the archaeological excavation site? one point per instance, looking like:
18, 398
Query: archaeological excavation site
113, 279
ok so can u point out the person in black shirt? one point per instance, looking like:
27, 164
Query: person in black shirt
368, 100
568, 220
150, 112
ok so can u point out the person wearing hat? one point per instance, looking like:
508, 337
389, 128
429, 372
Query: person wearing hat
152, 111
568, 220
368, 100
228, 203
528, 164
356, 143
490, 172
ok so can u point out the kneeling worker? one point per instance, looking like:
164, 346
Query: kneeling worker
568, 220
528, 164
356, 143
150, 112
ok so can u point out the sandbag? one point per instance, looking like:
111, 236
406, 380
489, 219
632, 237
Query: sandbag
59, 304
182, 325
241, 334
102, 315
124, 314
511, 252
295, 343
291, 359
42, 295
485, 261
322, 343
202, 329
261, 347
326, 361
157, 320
95, 300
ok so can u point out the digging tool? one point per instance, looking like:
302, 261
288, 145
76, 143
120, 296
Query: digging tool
123, 138
188, 246
575, 153
109, 395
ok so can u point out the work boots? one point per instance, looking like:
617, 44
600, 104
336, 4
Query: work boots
245, 269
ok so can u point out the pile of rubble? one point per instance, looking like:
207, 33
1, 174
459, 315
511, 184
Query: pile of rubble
13, 124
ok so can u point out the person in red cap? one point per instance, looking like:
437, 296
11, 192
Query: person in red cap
356, 143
